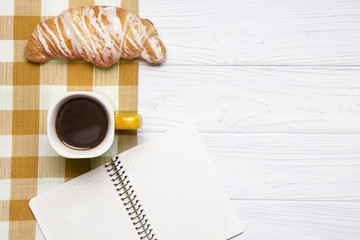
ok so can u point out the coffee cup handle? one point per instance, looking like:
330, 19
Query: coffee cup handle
127, 121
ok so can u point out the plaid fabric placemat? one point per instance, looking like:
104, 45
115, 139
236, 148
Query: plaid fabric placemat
28, 165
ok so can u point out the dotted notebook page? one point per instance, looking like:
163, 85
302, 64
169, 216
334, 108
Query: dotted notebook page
179, 189
87, 207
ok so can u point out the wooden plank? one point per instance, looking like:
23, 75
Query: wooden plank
257, 32
283, 220
285, 166
252, 98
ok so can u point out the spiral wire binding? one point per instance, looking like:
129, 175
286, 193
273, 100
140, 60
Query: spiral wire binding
130, 200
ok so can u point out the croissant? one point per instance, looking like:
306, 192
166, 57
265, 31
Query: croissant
99, 34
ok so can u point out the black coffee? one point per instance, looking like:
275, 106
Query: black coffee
81, 123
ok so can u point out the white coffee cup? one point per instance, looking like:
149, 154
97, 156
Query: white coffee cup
115, 121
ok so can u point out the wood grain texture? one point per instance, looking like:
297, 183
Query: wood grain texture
322, 167
274, 89
296, 220
251, 99
257, 32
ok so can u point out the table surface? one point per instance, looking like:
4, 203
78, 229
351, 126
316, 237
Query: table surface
274, 89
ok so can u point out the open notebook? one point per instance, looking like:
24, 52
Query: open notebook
166, 188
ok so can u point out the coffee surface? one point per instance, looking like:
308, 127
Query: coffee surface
81, 123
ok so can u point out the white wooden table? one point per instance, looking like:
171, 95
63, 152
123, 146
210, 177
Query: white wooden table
274, 87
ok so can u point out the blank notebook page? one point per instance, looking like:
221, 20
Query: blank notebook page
174, 180
87, 207
179, 189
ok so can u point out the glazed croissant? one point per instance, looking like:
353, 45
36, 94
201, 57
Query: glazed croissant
99, 34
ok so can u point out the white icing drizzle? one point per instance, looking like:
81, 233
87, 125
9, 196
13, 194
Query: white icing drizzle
81, 42
155, 45
78, 41
57, 45
135, 24
42, 40
111, 40
109, 49
48, 39
90, 43
69, 32
62, 40
145, 55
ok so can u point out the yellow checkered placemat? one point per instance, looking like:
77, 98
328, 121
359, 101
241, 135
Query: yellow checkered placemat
28, 165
